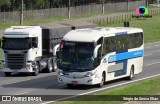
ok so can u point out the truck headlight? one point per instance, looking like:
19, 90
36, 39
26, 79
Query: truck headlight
29, 65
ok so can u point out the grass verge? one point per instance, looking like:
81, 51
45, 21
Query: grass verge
146, 87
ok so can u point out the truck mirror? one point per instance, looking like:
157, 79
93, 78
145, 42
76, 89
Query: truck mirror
96, 51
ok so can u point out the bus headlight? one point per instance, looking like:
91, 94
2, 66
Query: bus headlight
60, 73
89, 74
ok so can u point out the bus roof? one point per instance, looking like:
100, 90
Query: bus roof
93, 34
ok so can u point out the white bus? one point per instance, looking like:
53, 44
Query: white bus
95, 55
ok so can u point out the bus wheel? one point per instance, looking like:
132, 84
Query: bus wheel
7, 73
131, 76
102, 81
36, 70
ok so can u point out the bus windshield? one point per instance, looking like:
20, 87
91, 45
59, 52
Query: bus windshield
76, 56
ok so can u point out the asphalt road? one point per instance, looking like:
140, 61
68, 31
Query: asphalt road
47, 84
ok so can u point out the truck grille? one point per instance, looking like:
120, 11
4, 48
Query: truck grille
15, 61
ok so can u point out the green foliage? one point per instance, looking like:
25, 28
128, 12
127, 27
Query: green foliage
12, 5
4, 4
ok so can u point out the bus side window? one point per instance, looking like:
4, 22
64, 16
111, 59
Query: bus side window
105, 46
135, 40
140, 37
131, 41
112, 44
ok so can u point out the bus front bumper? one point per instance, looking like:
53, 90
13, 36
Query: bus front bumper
79, 81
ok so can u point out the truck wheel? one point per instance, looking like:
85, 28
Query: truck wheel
131, 76
36, 70
50, 66
54, 66
7, 73
102, 81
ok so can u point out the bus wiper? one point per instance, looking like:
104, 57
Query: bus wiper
81, 67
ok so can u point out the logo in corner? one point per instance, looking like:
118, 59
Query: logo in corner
142, 13
142, 10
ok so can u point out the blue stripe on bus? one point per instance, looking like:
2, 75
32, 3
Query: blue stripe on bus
124, 70
125, 55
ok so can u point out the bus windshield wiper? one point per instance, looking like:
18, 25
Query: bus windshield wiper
81, 67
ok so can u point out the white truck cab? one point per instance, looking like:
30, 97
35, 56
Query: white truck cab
26, 49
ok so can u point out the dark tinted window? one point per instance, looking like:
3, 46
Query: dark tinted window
122, 42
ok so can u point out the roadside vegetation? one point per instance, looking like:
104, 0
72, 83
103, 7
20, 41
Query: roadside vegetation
7, 24
145, 87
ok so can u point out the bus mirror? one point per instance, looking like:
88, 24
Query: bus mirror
96, 51
55, 49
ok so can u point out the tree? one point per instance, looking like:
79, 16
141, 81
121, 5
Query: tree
4, 4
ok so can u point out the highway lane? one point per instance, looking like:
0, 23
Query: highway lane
47, 84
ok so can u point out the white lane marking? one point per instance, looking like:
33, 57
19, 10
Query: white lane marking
151, 46
148, 55
103, 88
152, 64
21, 93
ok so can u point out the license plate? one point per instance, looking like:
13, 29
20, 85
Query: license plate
74, 82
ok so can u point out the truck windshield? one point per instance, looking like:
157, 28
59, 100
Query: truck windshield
76, 56
16, 43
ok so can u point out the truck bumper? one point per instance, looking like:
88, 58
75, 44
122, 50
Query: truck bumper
24, 70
